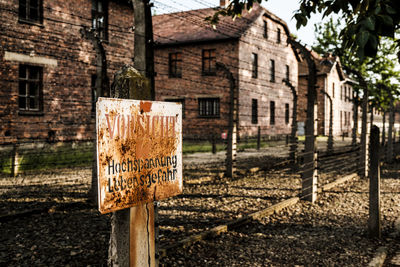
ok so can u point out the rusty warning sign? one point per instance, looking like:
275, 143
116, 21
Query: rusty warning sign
139, 152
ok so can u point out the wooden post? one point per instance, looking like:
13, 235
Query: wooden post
132, 240
374, 222
259, 138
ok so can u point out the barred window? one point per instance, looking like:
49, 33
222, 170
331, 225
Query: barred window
31, 11
209, 107
209, 61
175, 65
30, 83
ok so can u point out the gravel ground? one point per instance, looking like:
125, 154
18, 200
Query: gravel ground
71, 232
331, 232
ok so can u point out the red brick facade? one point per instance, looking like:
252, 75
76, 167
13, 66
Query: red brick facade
246, 47
67, 61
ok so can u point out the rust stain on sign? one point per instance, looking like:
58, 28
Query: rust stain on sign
139, 152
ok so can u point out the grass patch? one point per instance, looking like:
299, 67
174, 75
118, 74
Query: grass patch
48, 158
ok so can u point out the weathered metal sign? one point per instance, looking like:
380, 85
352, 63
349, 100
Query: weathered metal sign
139, 152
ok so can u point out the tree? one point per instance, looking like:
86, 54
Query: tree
365, 20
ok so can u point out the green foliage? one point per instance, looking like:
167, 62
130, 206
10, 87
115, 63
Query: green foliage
380, 72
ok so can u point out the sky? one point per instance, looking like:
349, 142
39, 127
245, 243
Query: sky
282, 8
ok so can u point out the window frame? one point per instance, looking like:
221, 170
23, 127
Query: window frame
26, 82
25, 9
272, 70
96, 15
272, 120
254, 111
278, 35
175, 65
265, 34
202, 107
254, 70
210, 61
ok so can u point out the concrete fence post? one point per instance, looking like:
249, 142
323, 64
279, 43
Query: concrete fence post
374, 221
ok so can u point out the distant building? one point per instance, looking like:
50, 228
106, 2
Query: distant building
47, 67
252, 48
333, 88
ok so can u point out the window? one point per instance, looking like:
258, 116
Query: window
94, 92
333, 90
31, 11
287, 113
175, 65
30, 83
99, 18
272, 70
265, 29
278, 36
178, 100
254, 59
287, 73
350, 94
341, 121
209, 107
272, 112
254, 111
341, 92
208, 62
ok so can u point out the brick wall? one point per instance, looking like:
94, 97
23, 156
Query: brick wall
193, 85
342, 104
68, 62
262, 88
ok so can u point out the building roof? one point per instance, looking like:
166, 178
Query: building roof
324, 65
191, 27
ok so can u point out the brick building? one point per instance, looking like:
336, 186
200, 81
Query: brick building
47, 67
253, 48
333, 88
